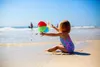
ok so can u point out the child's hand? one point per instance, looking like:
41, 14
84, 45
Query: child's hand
52, 26
42, 33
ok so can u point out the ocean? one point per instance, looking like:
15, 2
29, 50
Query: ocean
26, 35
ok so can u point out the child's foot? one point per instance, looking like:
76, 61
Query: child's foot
49, 50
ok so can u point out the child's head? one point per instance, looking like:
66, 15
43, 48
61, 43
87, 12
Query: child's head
65, 26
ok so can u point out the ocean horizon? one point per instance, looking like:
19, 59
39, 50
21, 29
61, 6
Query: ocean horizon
37, 26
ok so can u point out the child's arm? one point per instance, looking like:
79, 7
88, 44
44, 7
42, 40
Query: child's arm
55, 28
50, 34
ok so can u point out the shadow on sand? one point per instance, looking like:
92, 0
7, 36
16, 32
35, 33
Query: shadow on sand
74, 53
81, 53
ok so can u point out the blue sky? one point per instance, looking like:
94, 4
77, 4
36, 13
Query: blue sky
22, 12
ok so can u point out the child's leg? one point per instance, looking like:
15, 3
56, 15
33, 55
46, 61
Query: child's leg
52, 49
60, 47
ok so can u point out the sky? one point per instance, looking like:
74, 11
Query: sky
22, 12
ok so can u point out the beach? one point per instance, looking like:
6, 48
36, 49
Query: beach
26, 48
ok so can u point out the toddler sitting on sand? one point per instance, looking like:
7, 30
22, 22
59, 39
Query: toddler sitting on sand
63, 32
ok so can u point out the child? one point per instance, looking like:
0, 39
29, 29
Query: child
63, 32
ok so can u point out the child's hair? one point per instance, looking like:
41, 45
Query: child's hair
65, 25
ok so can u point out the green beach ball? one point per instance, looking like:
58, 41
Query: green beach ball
42, 29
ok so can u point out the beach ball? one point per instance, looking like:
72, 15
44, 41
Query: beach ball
42, 27
42, 23
46, 30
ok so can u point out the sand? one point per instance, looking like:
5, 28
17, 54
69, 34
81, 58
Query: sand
34, 55
89, 57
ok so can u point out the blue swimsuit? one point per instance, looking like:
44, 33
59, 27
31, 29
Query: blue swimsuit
68, 44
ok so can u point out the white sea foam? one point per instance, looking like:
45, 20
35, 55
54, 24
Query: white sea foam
6, 29
12, 29
36, 29
83, 27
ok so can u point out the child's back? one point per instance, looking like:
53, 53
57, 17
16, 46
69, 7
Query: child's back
65, 38
67, 43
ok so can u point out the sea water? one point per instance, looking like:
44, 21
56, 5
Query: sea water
24, 35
